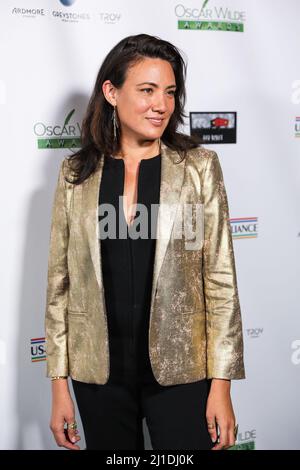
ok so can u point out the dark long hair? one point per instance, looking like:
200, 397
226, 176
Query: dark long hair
97, 126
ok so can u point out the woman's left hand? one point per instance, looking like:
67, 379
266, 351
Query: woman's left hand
219, 412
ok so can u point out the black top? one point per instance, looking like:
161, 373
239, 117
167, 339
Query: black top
127, 267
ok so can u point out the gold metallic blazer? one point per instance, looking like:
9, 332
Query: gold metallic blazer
195, 326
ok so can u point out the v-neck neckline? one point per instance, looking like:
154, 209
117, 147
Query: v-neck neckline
119, 164
141, 163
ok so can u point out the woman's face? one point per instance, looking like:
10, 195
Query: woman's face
138, 101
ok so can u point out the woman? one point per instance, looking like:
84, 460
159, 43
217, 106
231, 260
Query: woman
145, 326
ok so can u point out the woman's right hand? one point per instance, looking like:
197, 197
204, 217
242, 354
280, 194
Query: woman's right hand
63, 411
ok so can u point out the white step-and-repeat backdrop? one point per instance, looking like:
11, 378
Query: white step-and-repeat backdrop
243, 97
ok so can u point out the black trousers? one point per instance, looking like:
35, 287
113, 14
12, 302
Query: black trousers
112, 413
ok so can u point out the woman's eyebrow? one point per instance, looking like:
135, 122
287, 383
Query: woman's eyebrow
155, 84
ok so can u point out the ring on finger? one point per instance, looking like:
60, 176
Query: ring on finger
72, 425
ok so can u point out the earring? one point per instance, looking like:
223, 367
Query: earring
115, 123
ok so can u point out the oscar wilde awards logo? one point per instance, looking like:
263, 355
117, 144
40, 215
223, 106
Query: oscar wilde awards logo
245, 440
65, 135
210, 17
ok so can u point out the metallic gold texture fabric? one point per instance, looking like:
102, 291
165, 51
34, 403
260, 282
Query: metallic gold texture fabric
195, 328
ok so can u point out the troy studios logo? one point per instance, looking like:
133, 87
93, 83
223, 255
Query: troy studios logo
254, 332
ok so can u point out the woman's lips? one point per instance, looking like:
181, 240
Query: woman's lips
156, 122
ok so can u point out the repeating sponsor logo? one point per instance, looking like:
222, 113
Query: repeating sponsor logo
109, 18
297, 126
212, 17
70, 16
38, 351
295, 357
245, 441
56, 136
244, 227
67, 3
28, 12
254, 332
214, 127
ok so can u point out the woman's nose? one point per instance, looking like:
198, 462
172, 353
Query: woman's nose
160, 103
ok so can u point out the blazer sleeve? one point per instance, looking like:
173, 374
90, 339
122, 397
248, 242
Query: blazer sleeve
223, 315
57, 284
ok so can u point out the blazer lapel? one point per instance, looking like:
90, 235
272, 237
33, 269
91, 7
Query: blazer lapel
171, 182
172, 175
91, 203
